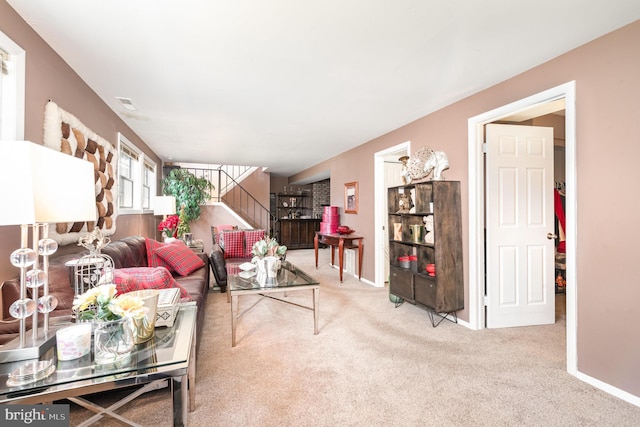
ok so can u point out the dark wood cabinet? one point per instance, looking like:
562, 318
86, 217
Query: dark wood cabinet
298, 233
294, 224
425, 233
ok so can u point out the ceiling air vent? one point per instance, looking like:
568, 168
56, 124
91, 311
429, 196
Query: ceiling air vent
127, 103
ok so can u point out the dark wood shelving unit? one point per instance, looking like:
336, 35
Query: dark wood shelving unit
295, 225
443, 293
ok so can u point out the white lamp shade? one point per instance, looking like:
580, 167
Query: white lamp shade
41, 185
164, 205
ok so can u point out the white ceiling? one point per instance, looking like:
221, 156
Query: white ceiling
286, 84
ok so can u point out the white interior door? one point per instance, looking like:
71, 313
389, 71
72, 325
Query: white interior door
519, 202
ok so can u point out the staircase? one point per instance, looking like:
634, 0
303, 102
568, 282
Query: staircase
228, 190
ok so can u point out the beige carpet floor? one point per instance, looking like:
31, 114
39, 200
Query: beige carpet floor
375, 365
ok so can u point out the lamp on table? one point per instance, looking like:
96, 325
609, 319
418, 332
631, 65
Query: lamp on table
39, 186
164, 205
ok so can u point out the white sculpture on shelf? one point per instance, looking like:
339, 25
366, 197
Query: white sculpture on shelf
428, 226
416, 164
422, 163
438, 162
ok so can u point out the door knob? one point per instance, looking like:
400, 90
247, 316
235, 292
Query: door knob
551, 236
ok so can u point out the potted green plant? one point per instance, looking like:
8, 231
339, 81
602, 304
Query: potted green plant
190, 191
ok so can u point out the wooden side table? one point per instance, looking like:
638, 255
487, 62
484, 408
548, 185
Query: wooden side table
349, 241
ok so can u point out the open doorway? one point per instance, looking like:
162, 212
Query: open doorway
387, 173
552, 115
477, 208
520, 243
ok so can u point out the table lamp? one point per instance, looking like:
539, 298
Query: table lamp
164, 205
39, 186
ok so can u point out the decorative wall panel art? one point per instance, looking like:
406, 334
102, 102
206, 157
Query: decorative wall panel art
64, 132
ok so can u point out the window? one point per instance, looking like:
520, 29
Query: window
12, 83
148, 181
137, 178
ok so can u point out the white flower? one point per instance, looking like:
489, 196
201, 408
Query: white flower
128, 306
267, 247
100, 303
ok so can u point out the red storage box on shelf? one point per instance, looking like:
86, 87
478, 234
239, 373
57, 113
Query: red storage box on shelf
330, 219
327, 228
331, 210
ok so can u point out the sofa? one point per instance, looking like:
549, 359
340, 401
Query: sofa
231, 247
132, 257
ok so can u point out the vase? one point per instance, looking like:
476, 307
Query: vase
431, 269
267, 270
112, 341
416, 231
144, 327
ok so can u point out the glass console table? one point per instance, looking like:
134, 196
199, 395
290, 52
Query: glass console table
168, 356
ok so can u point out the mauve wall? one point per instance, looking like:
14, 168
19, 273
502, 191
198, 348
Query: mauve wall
49, 77
608, 127
606, 72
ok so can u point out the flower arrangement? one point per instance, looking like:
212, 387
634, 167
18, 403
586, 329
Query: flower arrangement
101, 304
267, 246
170, 226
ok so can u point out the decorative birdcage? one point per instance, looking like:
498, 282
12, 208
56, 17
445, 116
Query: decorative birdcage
95, 268
92, 270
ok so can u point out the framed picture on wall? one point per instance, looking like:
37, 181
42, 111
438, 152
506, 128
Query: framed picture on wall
351, 198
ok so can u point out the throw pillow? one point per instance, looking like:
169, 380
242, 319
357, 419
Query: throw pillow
138, 278
217, 233
251, 237
182, 259
153, 260
233, 243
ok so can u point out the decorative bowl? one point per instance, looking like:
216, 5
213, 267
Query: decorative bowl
431, 269
343, 229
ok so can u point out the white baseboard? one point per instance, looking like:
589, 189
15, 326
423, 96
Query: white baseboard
608, 388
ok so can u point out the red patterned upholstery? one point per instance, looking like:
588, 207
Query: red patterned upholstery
216, 233
152, 257
138, 278
181, 259
250, 237
233, 243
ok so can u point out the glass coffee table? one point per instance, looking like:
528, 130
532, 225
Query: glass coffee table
288, 279
168, 356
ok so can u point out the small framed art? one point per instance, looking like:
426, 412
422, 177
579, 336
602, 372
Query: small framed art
351, 198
